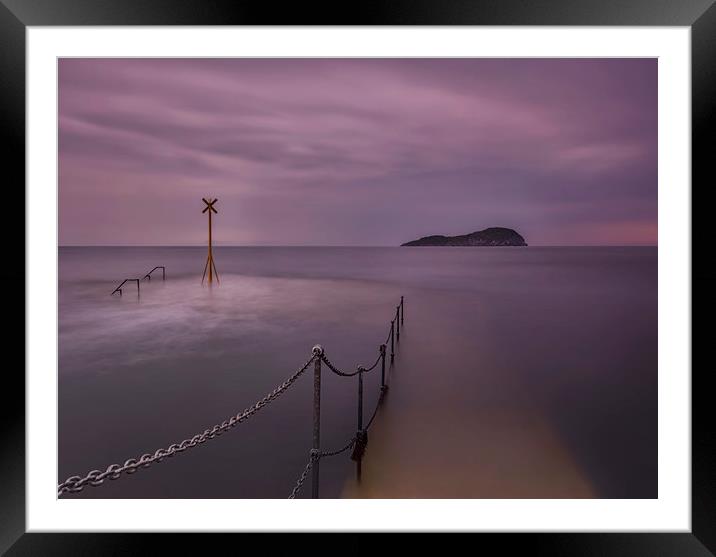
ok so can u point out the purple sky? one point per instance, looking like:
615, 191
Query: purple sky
357, 152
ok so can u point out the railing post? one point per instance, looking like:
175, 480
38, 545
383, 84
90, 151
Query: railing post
164, 273
392, 343
360, 421
402, 310
318, 353
397, 320
383, 386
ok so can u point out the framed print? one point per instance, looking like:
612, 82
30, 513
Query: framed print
420, 269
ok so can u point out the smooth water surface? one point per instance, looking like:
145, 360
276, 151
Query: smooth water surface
521, 372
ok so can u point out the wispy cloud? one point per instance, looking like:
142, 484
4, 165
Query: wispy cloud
333, 142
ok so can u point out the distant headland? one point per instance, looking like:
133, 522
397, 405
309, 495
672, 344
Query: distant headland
494, 236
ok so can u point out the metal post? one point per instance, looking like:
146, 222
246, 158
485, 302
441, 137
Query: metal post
392, 343
397, 320
383, 388
360, 418
210, 256
211, 276
402, 310
164, 273
317, 352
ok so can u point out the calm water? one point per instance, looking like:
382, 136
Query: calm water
522, 372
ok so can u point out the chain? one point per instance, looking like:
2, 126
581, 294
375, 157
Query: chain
335, 370
302, 478
351, 442
317, 456
97, 477
377, 405
371, 368
360, 369
390, 332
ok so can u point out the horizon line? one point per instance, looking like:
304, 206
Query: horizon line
340, 246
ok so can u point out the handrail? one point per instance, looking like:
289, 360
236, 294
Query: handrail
119, 288
149, 274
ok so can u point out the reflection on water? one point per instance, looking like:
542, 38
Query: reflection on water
521, 372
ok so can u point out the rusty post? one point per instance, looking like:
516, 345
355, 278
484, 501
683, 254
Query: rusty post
383, 386
392, 343
210, 256
397, 320
211, 271
360, 421
318, 353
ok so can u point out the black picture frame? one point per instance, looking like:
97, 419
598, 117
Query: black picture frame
16, 15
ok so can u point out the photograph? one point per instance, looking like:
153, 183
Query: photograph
357, 278
414, 267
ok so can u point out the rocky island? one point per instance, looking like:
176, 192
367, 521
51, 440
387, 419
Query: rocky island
495, 236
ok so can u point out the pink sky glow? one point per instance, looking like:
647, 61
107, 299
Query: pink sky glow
357, 152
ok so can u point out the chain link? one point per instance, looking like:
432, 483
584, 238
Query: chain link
371, 368
96, 478
337, 371
325, 454
317, 456
375, 411
390, 332
351, 442
302, 478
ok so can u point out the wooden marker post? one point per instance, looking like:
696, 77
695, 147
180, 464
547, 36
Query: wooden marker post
210, 258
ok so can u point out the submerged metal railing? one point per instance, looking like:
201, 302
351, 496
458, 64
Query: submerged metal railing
357, 442
148, 276
119, 288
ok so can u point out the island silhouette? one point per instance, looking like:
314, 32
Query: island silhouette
494, 236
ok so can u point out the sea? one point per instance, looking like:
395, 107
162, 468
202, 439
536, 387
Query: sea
521, 372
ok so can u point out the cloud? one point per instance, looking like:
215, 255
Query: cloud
513, 135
